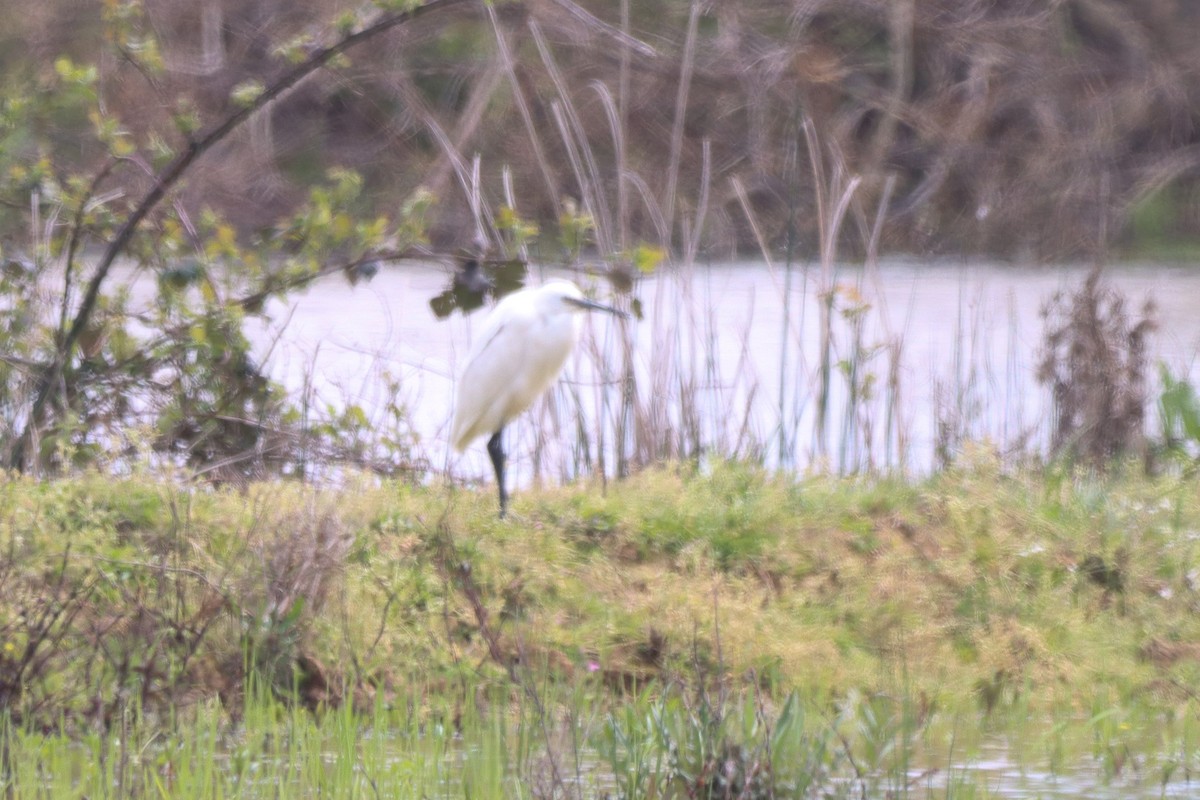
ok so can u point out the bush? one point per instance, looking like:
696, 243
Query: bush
1094, 361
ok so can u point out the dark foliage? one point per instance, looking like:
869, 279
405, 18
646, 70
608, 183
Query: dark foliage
1094, 362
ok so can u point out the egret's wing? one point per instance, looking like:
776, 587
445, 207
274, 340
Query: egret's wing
486, 387
518, 353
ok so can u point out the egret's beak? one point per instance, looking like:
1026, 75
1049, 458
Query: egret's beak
594, 306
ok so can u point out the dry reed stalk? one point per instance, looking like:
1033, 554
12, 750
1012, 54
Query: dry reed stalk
549, 179
468, 175
616, 126
575, 140
469, 121
681, 97
692, 242
620, 126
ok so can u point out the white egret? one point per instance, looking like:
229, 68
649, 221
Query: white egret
517, 354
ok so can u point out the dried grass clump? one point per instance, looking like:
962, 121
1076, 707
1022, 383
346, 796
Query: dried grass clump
300, 564
1094, 361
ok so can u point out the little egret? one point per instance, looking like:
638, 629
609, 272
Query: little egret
515, 357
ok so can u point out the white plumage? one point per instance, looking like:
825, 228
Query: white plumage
516, 355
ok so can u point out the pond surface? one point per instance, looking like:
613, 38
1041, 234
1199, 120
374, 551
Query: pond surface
947, 350
995, 773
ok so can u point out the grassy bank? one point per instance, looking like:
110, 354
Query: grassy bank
882, 626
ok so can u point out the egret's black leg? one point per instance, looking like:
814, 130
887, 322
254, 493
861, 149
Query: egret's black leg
496, 451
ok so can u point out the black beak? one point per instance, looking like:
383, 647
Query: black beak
590, 305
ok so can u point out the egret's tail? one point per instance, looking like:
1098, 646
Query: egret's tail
461, 434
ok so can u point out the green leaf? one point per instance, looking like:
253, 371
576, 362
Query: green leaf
1180, 408
647, 258
346, 23
246, 92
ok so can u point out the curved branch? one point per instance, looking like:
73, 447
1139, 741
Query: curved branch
171, 175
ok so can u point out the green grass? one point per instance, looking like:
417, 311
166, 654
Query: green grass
174, 640
276, 751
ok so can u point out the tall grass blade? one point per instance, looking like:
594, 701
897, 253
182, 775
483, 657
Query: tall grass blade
549, 180
681, 97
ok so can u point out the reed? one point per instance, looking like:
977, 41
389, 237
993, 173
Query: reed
680, 400
674, 385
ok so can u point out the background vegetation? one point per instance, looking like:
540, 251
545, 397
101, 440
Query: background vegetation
1027, 129
235, 153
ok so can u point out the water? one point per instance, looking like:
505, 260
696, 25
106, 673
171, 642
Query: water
995, 771
969, 338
